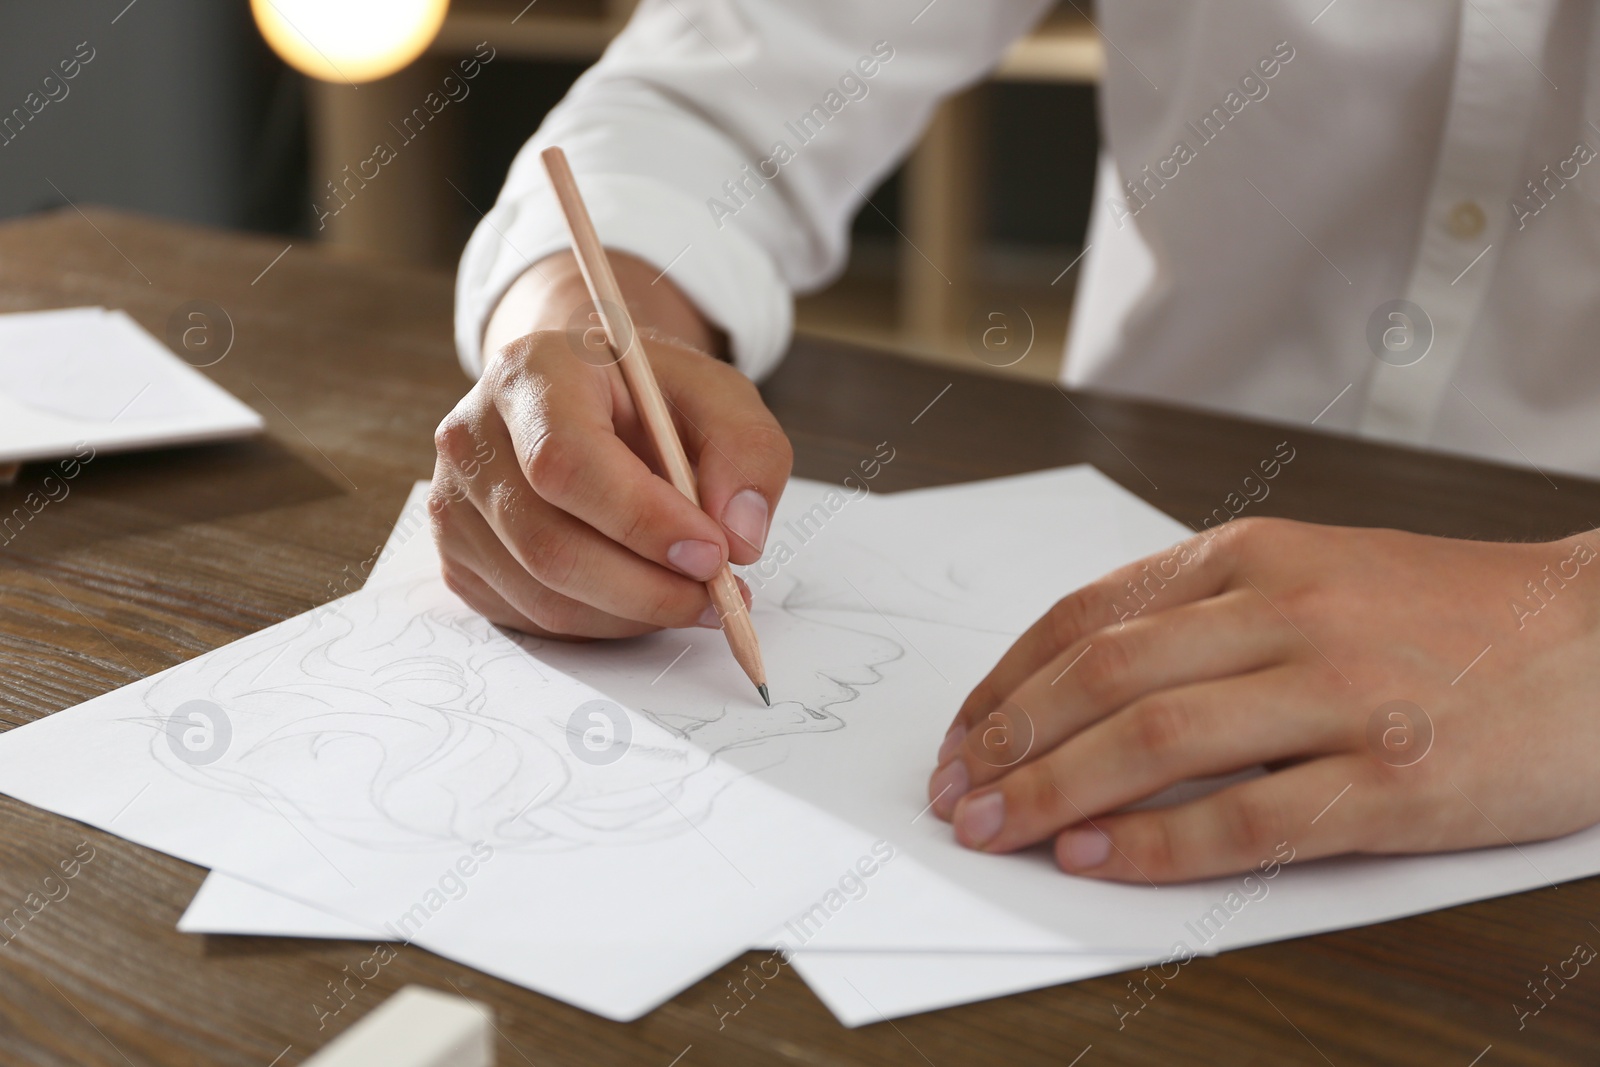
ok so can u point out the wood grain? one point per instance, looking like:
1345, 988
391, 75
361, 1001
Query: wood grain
155, 558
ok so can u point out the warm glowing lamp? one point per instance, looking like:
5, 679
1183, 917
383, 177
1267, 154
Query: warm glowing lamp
349, 40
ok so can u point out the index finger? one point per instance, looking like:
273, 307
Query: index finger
1188, 571
559, 411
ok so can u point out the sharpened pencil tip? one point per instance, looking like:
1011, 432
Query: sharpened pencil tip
763, 691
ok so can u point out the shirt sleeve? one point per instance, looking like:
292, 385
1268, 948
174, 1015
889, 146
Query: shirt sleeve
729, 143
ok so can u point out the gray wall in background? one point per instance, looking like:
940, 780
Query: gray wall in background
181, 112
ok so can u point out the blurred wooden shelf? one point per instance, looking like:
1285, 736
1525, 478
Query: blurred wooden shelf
547, 29
1064, 48
942, 181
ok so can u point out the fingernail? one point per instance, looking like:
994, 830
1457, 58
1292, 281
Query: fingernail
698, 559
979, 818
952, 742
948, 785
746, 518
709, 618
1082, 850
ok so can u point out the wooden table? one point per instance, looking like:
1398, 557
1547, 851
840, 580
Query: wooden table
156, 558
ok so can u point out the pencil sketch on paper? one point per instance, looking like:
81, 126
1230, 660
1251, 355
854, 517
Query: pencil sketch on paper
857, 579
403, 720
841, 661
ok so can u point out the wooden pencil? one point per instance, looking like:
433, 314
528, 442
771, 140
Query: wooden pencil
652, 406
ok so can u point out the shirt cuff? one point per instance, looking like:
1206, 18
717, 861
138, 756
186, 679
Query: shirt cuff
730, 279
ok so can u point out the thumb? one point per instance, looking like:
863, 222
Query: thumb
741, 454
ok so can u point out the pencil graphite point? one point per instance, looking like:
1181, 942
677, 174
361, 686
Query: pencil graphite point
763, 691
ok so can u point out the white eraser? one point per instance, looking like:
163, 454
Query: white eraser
416, 1027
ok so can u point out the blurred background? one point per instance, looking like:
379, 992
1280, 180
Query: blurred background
182, 110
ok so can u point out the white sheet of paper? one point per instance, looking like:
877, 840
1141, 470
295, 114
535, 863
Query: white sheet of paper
900, 666
990, 555
93, 376
227, 905
861, 988
393, 755
909, 902
1022, 903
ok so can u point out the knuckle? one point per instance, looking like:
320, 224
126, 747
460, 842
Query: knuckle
1247, 538
503, 502
637, 526
1069, 618
1160, 727
441, 501
507, 363
1250, 823
1231, 542
1246, 531
551, 613
549, 555
454, 439
673, 607
1105, 670
459, 580
1032, 794
553, 466
768, 447
986, 741
1205, 550
1148, 844
1004, 736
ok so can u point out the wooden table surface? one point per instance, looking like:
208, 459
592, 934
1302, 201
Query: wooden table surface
156, 558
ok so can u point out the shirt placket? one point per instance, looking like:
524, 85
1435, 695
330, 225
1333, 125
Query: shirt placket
1496, 90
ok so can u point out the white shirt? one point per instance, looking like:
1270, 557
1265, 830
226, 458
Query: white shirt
1300, 168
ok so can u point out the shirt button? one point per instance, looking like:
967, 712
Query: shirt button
1466, 220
